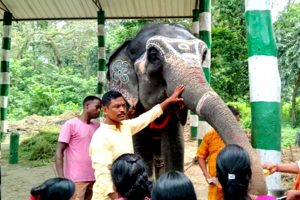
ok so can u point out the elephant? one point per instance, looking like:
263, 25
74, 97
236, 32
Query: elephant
146, 70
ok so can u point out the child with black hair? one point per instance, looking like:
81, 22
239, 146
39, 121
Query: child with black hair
234, 174
54, 189
173, 185
130, 178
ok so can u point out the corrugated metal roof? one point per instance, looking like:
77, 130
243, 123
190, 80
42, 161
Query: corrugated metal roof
87, 9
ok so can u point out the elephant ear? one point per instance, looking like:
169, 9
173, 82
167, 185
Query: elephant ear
121, 75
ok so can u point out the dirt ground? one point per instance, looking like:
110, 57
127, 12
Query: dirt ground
17, 180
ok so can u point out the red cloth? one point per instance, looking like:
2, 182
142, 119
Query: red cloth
34, 197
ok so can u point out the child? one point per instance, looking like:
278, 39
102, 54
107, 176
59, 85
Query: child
130, 178
54, 189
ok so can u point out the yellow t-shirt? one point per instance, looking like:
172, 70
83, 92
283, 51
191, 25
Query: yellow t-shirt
109, 142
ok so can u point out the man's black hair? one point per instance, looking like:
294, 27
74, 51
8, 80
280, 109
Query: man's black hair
108, 96
234, 111
90, 98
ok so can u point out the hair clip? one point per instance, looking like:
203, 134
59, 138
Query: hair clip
231, 176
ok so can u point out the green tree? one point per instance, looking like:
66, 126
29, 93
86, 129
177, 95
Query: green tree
287, 30
229, 68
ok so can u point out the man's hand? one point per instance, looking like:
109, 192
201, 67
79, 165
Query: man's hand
174, 98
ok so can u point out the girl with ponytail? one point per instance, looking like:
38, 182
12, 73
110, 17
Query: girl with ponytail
234, 172
130, 178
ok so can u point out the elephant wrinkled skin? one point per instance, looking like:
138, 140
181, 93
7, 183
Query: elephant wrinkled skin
147, 69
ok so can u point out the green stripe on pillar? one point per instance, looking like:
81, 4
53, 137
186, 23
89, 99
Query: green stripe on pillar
260, 34
3, 115
101, 41
7, 18
204, 5
101, 65
101, 17
207, 73
4, 90
266, 126
6, 43
195, 29
4, 66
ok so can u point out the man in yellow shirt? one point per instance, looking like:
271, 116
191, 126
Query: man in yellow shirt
114, 137
207, 154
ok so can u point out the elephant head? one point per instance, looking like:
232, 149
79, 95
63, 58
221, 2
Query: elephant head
147, 68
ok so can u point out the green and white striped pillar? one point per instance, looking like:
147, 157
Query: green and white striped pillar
193, 116
205, 35
5, 77
101, 73
265, 85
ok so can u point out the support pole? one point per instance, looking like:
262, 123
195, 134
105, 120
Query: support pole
5, 77
101, 53
205, 35
193, 116
265, 85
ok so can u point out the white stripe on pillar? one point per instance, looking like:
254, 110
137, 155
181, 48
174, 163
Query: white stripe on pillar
271, 156
258, 5
203, 128
265, 81
101, 76
3, 101
101, 29
4, 125
6, 30
194, 120
101, 53
5, 77
5, 55
196, 27
205, 21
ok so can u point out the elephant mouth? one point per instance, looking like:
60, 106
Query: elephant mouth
161, 122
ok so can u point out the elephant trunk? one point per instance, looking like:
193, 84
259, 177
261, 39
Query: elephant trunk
218, 115
200, 98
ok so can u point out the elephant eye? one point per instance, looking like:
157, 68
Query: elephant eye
153, 56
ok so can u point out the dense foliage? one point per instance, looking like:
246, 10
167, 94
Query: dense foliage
287, 30
229, 68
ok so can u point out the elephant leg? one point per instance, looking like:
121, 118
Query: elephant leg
173, 146
143, 146
159, 165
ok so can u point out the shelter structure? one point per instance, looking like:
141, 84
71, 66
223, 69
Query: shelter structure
262, 52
